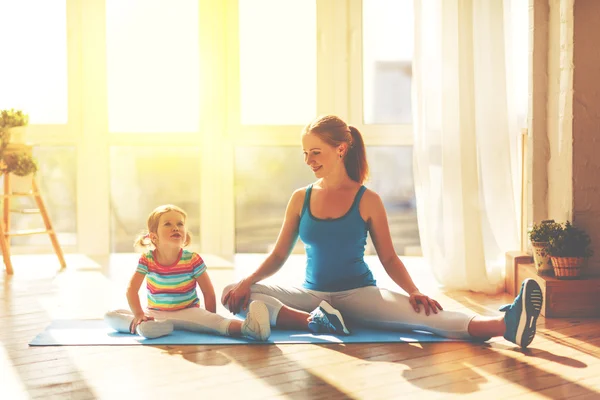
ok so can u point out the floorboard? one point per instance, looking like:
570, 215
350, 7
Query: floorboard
562, 362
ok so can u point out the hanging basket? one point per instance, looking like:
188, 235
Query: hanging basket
568, 267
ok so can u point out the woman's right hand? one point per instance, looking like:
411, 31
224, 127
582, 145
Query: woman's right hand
138, 319
238, 297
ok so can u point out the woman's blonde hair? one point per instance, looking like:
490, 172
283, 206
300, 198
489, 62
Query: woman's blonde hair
143, 240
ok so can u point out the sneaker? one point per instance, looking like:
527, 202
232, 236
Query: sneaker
326, 319
154, 329
521, 316
257, 324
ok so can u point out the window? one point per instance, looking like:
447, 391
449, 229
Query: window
142, 178
34, 56
201, 104
387, 61
261, 198
265, 178
59, 194
153, 66
277, 61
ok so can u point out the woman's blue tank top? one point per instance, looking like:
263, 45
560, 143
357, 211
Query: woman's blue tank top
335, 249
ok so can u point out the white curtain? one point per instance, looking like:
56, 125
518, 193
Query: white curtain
467, 112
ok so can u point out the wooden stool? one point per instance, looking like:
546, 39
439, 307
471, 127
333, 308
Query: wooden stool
5, 232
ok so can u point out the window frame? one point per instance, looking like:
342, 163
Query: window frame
339, 91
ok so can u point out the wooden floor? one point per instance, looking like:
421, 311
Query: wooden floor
562, 362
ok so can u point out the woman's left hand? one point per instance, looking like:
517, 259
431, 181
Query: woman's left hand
416, 298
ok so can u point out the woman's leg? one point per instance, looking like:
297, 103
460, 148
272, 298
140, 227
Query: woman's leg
487, 327
381, 308
289, 307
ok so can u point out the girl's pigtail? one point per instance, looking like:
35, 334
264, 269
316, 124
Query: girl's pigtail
143, 242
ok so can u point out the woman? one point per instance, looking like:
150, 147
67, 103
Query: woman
332, 217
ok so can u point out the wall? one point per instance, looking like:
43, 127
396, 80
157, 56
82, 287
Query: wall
565, 150
560, 88
586, 122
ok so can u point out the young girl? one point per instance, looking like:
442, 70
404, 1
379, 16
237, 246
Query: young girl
171, 275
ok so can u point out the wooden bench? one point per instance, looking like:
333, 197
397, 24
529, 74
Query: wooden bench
562, 298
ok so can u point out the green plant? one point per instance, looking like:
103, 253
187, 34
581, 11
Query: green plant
20, 164
544, 231
570, 241
11, 118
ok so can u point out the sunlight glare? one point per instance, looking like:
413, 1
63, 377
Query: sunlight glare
278, 74
34, 59
153, 66
12, 386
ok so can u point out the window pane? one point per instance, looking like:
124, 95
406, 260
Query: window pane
387, 61
391, 176
278, 171
278, 72
265, 178
153, 65
519, 57
34, 59
56, 180
142, 179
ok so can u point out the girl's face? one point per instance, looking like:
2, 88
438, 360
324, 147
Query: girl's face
321, 157
171, 229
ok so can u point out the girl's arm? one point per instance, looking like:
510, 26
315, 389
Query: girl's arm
133, 299
239, 296
380, 234
208, 292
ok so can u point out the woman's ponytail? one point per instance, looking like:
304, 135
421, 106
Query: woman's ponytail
356, 158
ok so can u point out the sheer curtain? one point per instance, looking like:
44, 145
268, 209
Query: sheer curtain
466, 123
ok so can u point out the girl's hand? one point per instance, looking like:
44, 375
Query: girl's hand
138, 319
430, 304
238, 297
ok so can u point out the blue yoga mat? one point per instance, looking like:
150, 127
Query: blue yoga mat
92, 332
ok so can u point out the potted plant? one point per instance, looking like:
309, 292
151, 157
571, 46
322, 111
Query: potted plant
540, 235
14, 123
23, 166
568, 250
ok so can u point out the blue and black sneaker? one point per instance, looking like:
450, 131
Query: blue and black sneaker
521, 316
326, 319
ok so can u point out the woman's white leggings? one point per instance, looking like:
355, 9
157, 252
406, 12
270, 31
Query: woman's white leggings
368, 306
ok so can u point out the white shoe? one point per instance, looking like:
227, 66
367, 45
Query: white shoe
154, 329
257, 324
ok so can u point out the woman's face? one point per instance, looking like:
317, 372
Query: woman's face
321, 157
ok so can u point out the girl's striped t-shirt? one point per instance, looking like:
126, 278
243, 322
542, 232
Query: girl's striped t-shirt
172, 287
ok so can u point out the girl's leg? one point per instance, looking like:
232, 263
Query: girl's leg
256, 325
289, 308
120, 320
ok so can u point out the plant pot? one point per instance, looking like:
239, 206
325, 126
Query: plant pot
540, 259
21, 184
18, 134
568, 267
